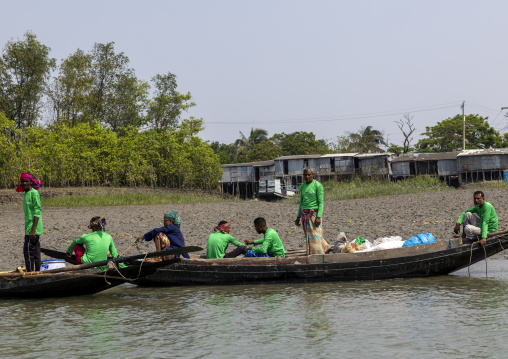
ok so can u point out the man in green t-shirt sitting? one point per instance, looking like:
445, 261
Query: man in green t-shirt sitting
219, 240
478, 220
271, 245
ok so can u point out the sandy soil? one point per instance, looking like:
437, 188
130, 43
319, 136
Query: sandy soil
404, 215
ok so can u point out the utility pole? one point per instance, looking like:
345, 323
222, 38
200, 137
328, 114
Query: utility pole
463, 127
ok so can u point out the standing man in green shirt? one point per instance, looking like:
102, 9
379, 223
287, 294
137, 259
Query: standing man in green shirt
33, 221
271, 245
310, 211
478, 220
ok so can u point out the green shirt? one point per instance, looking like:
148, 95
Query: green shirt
97, 246
32, 208
311, 197
270, 244
218, 243
488, 216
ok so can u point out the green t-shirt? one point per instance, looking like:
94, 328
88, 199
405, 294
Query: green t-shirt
270, 244
218, 243
97, 246
488, 216
32, 208
311, 197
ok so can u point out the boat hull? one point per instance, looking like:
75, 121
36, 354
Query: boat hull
84, 282
439, 258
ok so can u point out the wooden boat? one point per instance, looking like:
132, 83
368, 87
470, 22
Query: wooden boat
80, 279
440, 258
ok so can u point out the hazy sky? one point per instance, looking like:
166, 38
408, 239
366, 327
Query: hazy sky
323, 66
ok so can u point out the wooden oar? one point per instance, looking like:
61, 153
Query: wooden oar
63, 274
123, 259
493, 234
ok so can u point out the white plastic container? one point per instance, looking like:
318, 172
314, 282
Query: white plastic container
49, 264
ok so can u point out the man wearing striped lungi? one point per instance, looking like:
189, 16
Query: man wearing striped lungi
310, 212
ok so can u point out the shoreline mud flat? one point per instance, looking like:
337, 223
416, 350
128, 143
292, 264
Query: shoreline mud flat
370, 218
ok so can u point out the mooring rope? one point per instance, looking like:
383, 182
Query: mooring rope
112, 265
471, 257
129, 247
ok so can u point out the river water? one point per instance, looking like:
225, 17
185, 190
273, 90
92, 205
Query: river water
453, 316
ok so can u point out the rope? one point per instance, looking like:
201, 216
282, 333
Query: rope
112, 265
471, 257
132, 245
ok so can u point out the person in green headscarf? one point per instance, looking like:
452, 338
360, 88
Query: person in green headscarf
167, 237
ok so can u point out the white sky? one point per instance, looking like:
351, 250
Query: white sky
294, 65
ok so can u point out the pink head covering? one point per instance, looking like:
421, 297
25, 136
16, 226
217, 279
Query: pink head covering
222, 227
36, 184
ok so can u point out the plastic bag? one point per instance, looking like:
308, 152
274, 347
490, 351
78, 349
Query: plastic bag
340, 243
386, 239
388, 245
423, 238
359, 240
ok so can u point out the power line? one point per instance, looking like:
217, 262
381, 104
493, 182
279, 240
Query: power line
345, 117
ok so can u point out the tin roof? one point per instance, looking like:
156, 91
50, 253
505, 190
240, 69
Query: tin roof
350, 154
367, 155
486, 152
437, 156
297, 157
251, 164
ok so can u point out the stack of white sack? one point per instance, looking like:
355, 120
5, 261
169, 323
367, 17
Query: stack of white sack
382, 243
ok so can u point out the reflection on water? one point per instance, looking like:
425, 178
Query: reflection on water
453, 316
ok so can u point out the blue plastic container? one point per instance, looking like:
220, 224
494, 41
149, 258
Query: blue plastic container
505, 176
423, 238
49, 264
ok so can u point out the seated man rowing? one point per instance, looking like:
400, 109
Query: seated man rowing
478, 220
95, 246
167, 237
271, 245
219, 240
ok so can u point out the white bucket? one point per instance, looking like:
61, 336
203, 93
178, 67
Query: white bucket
49, 264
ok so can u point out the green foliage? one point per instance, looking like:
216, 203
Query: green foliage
89, 154
166, 107
358, 188
341, 144
366, 140
256, 136
260, 152
299, 143
126, 199
397, 150
69, 91
225, 152
446, 136
25, 67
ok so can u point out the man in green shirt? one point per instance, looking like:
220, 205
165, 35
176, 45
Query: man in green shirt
219, 240
33, 221
310, 212
271, 245
478, 220
95, 246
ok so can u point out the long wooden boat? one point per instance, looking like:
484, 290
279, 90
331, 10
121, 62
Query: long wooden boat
81, 279
440, 258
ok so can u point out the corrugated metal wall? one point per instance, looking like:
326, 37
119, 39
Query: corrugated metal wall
345, 165
400, 169
446, 168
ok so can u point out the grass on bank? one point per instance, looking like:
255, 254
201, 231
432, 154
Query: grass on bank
357, 188
333, 191
126, 199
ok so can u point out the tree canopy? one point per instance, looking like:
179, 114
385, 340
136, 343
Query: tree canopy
25, 67
446, 136
366, 140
